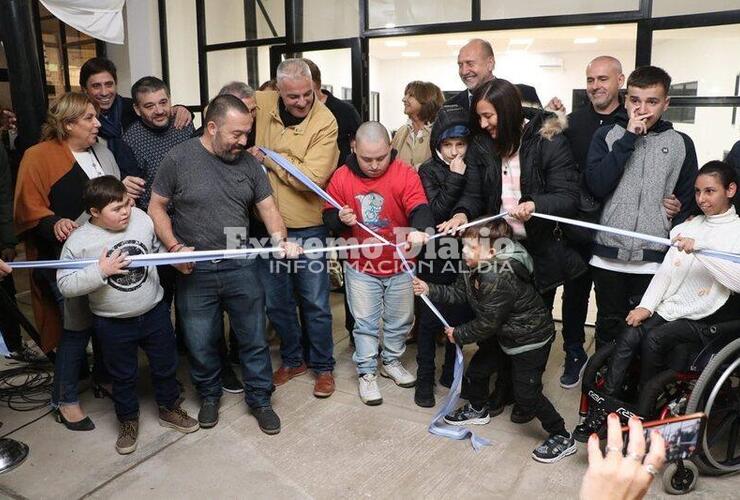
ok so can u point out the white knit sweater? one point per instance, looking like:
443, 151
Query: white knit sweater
693, 286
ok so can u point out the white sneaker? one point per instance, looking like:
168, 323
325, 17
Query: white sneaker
398, 373
369, 392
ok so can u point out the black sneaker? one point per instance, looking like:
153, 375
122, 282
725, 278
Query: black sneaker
467, 414
267, 419
590, 425
498, 401
519, 416
445, 380
230, 382
208, 414
555, 448
424, 394
573, 370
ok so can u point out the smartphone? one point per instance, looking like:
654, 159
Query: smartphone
681, 434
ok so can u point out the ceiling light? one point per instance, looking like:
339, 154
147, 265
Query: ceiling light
389, 25
396, 43
521, 41
410, 53
600, 27
456, 43
585, 40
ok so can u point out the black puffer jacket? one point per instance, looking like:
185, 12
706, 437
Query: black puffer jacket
505, 302
548, 178
443, 189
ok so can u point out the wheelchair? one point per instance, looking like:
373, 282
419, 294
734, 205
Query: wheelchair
711, 385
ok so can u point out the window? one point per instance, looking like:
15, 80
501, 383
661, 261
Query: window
392, 13
682, 114
550, 59
690, 55
507, 9
65, 51
330, 19
677, 7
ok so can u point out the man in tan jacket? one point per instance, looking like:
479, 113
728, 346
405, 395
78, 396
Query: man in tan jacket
295, 124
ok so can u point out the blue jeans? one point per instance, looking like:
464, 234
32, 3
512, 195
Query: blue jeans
372, 299
202, 297
307, 279
70, 363
120, 339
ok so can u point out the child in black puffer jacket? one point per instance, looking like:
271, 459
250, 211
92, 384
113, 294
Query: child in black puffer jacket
499, 287
443, 177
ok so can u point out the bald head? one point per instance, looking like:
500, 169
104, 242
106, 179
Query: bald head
372, 133
484, 46
608, 61
604, 78
475, 63
373, 149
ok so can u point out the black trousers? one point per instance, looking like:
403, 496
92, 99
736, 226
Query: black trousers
657, 340
429, 328
524, 373
613, 293
9, 326
576, 293
658, 348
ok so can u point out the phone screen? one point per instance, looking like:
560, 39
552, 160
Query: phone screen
681, 435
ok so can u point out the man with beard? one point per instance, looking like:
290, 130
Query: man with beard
99, 80
302, 129
212, 186
151, 137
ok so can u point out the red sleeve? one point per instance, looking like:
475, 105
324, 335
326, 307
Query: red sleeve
335, 189
413, 192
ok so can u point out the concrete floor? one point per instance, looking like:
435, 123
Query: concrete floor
331, 448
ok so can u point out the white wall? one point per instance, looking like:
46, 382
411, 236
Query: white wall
141, 54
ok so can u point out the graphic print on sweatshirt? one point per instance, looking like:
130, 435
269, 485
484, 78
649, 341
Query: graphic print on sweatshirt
136, 276
371, 205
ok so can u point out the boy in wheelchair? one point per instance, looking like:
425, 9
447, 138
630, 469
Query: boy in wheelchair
690, 292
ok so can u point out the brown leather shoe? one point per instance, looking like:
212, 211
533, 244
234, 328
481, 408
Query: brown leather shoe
285, 373
324, 385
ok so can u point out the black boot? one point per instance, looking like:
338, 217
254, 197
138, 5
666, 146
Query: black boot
424, 394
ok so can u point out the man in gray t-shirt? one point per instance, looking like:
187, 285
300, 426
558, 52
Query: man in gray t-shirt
212, 186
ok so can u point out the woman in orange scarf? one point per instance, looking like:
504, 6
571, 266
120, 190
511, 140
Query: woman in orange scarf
48, 207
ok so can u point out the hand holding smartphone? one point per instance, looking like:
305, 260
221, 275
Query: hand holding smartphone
681, 434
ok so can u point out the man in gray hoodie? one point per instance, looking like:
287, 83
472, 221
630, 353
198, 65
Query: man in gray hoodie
631, 170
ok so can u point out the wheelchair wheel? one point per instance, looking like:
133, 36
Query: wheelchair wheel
717, 394
680, 480
596, 367
657, 393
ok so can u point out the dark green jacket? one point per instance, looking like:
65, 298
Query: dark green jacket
7, 233
501, 292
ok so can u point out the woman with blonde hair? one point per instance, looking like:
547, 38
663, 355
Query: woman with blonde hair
421, 102
48, 207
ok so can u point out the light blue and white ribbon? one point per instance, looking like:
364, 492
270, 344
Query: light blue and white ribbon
733, 257
437, 426
160, 259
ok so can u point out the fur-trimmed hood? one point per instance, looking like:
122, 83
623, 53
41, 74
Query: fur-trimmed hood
547, 123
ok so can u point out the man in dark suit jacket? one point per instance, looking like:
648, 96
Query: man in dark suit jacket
475, 64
